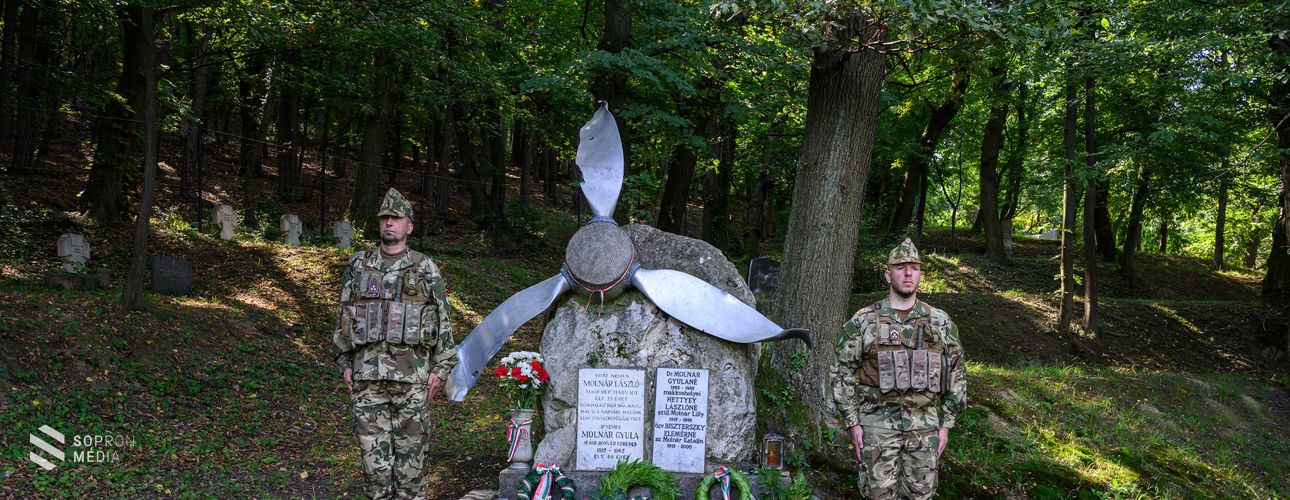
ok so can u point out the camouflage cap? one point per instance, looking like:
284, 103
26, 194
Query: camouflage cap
395, 204
903, 253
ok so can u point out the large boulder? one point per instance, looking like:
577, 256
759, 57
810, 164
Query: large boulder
631, 332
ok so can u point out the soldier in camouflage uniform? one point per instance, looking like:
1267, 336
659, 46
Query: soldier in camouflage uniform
396, 351
899, 384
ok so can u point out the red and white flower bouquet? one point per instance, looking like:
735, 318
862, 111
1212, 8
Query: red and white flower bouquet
522, 376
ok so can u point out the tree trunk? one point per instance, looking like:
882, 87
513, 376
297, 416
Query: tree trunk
938, 122
1102, 219
8, 63
828, 195
917, 233
1090, 208
250, 89
1276, 284
497, 158
676, 190
192, 145
366, 199
716, 193
32, 38
1070, 205
1220, 222
611, 85
116, 131
991, 145
1164, 234
758, 193
469, 175
132, 295
1133, 233
290, 187
1252, 251
1015, 166
445, 140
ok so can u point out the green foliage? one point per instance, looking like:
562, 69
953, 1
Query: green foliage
661, 483
640, 196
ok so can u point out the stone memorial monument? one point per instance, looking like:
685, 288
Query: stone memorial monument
343, 231
74, 251
651, 356
171, 275
226, 219
291, 226
632, 332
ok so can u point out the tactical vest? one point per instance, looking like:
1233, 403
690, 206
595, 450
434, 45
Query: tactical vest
402, 314
896, 365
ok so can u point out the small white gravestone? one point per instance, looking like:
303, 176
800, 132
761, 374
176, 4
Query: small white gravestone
611, 417
74, 252
291, 226
681, 419
226, 219
344, 233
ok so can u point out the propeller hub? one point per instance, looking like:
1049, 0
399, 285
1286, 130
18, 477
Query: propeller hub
599, 257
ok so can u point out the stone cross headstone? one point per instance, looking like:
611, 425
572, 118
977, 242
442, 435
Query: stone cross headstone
74, 252
611, 417
344, 233
226, 219
763, 274
171, 275
681, 419
291, 226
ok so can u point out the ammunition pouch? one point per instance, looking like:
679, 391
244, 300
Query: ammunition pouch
899, 363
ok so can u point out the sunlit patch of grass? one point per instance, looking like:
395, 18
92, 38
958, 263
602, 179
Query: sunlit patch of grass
1049, 429
1173, 314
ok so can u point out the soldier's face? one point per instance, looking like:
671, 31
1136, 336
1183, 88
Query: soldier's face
395, 229
903, 278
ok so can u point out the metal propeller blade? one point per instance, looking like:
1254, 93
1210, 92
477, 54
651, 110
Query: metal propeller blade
710, 309
600, 157
485, 340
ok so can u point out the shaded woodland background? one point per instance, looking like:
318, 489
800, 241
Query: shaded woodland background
1151, 136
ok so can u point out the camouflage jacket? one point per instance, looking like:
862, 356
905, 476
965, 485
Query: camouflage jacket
414, 278
864, 404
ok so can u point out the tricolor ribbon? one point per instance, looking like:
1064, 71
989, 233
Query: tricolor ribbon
723, 475
515, 432
546, 477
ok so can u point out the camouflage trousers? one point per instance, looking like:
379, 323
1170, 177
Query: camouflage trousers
899, 464
392, 427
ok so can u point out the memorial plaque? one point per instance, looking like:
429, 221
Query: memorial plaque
681, 419
763, 274
226, 219
611, 417
171, 275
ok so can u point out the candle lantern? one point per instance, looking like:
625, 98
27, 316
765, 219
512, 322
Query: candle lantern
772, 451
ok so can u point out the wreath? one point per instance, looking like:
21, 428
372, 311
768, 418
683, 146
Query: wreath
543, 482
662, 484
736, 477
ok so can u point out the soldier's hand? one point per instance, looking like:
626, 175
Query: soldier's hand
433, 386
348, 375
857, 442
944, 435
